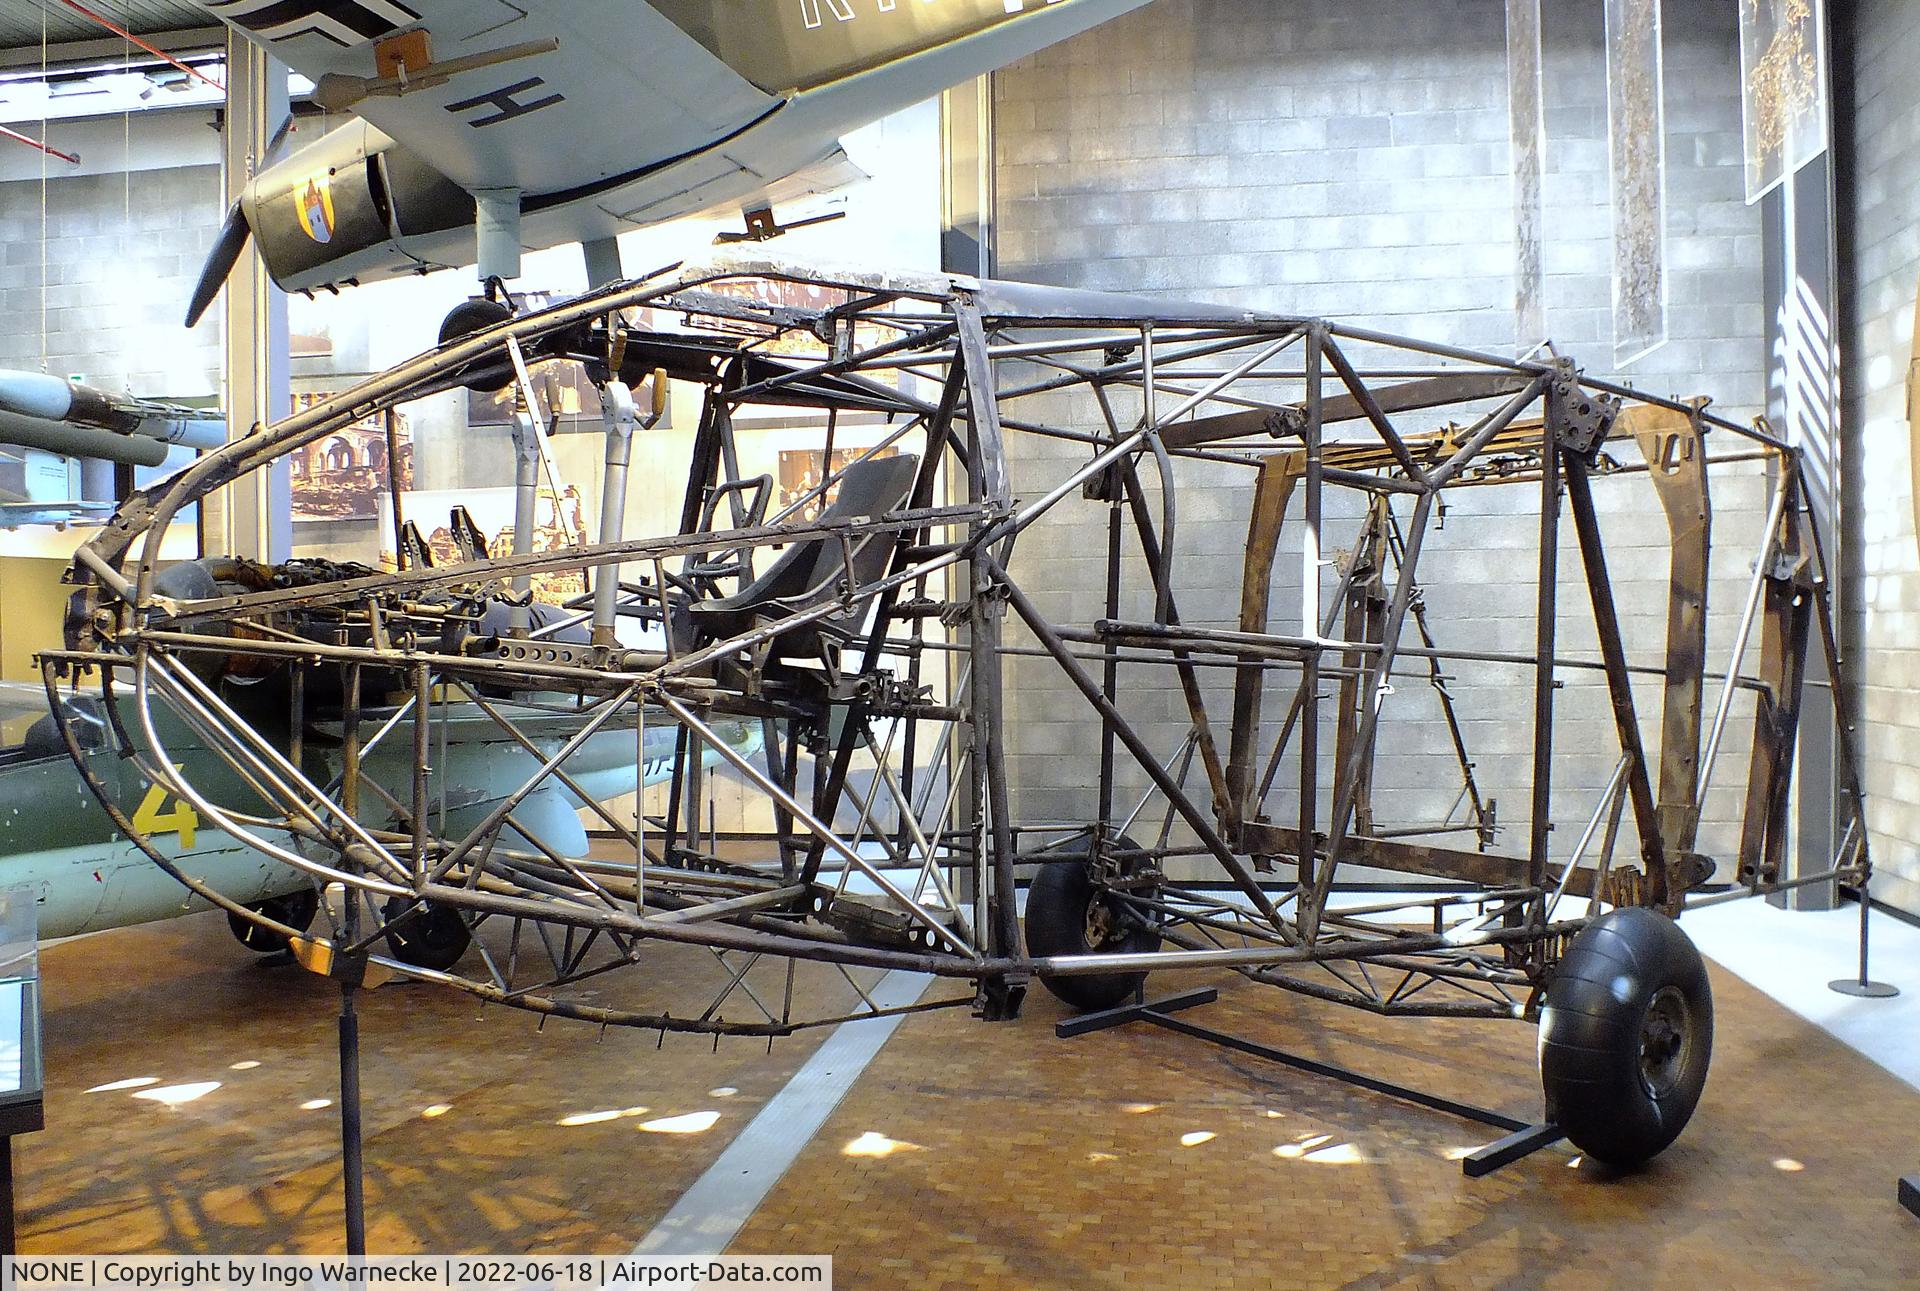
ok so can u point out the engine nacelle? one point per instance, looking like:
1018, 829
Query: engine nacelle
351, 207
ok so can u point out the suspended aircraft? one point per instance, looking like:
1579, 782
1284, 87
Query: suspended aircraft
485, 128
38, 410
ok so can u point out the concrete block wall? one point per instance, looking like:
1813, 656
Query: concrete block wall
1349, 158
1882, 279
121, 252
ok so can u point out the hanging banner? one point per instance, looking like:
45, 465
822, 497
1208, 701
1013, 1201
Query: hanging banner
1527, 119
1783, 75
1637, 151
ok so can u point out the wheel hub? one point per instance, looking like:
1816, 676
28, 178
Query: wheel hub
1102, 927
1664, 1041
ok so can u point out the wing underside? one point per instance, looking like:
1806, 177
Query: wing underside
620, 83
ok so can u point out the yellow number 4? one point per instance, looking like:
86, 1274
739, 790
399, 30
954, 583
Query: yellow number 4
182, 820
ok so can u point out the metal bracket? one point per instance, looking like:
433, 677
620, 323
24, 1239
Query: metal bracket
999, 998
1580, 419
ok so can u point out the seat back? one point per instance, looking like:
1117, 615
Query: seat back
811, 571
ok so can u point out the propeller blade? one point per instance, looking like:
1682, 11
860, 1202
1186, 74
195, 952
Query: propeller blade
220, 261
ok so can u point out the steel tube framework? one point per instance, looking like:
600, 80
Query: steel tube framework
811, 658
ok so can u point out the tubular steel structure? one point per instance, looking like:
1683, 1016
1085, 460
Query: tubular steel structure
867, 644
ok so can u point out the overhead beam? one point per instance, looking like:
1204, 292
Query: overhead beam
186, 40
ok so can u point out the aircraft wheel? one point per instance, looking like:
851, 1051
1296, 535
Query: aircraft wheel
471, 316
434, 938
296, 910
1068, 915
1625, 1036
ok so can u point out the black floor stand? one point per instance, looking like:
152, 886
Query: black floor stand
352, 1175
1910, 1194
1863, 987
1521, 1140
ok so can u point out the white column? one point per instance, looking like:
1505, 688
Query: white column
252, 517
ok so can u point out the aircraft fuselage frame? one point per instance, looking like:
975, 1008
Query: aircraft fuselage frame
884, 649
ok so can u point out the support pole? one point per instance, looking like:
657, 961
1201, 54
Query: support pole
9, 1244
352, 1183
1863, 987
1307, 704
1546, 642
602, 256
496, 231
352, 1177
526, 499
616, 400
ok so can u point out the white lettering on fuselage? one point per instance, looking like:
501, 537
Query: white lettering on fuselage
814, 15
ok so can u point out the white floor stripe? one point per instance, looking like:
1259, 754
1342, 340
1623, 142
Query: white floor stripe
709, 1213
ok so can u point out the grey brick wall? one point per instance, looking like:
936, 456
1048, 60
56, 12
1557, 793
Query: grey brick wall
1885, 568
120, 262
1349, 158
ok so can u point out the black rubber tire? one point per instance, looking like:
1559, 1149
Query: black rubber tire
1626, 1034
435, 938
295, 909
1060, 908
471, 316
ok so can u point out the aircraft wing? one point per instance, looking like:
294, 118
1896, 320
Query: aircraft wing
623, 84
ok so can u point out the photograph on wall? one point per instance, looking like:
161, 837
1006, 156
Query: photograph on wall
1637, 155
559, 520
1527, 127
568, 400
343, 476
799, 477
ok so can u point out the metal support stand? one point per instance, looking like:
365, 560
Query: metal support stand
1863, 987
1523, 1139
352, 1180
1520, 1143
